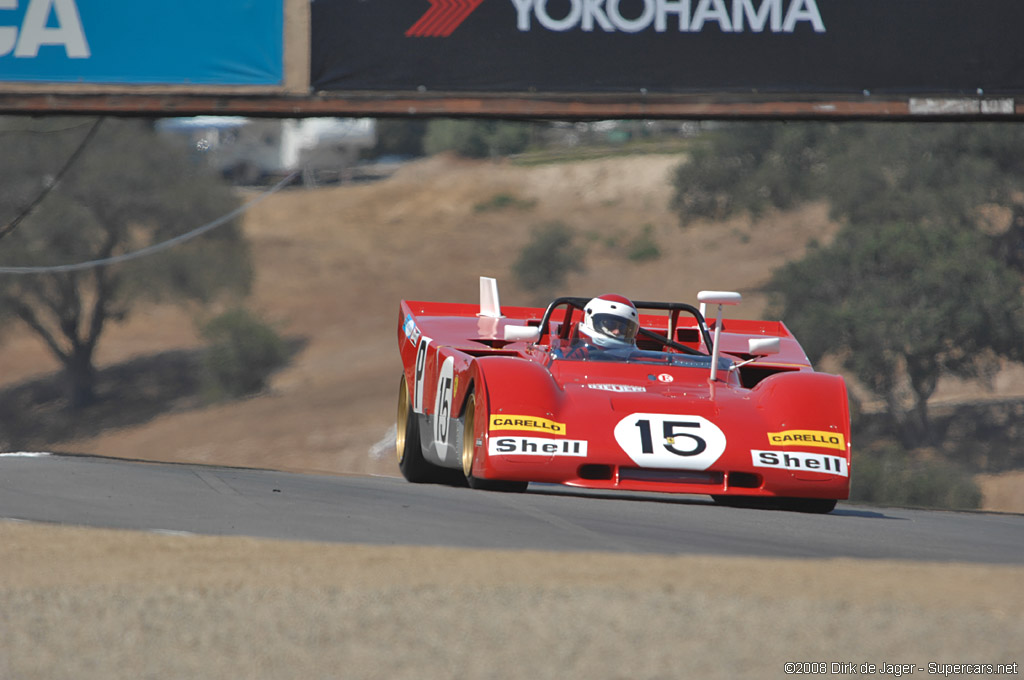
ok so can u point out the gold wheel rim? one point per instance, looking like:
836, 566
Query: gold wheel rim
402, 420
468, 437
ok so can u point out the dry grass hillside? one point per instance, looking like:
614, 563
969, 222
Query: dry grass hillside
332, 264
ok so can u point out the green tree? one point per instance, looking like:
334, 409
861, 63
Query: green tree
915, 285
476, 139
128, 189
643, 246
891, 476
549, 257
750, 167
242, 351
902, 304
922, 173
399, 137
869, 172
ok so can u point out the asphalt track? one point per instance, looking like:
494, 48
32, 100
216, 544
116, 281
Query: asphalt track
120, 494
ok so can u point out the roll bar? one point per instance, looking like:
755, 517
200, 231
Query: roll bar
674, 307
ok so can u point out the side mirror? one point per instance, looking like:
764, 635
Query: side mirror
757, 348
522, 333
762, 347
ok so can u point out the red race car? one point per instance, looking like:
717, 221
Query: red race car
609, 393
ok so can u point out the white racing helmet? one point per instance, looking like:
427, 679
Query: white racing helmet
610, 321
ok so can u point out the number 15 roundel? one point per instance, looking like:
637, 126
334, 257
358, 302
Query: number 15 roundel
670, 441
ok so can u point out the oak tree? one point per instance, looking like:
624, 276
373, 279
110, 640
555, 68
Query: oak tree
127, 189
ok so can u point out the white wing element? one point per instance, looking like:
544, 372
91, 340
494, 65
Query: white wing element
490, 305
717, 297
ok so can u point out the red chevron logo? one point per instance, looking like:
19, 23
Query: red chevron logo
443, 17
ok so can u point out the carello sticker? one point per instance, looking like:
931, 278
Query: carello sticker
819, 438
530, 423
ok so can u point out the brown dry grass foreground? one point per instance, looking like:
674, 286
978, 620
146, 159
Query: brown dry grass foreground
331, 266
85, 604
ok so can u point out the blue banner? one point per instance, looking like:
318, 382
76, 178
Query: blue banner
141, 42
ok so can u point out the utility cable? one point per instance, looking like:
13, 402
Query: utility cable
56, 180
157, 247
11, 131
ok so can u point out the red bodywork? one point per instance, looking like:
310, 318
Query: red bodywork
771, 428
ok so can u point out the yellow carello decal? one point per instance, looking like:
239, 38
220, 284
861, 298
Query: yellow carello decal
531, 423
820, 438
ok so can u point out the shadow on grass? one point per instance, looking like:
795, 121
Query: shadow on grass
35, 414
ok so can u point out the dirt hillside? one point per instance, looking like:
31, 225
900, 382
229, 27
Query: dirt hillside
332, 264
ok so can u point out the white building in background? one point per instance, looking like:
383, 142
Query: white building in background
252, 150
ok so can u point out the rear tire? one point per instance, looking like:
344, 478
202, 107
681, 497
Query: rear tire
415, 468
469, 456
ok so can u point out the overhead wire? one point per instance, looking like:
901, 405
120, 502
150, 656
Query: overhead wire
13, 224
11, 131
157, 247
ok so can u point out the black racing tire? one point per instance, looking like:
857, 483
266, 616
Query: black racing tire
815, 506
414, 467
742, 501
469, 455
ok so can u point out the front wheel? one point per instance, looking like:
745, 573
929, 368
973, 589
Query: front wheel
469, 456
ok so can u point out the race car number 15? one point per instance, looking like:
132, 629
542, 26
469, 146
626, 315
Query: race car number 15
673, 441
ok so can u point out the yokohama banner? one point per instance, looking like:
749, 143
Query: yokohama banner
813, 47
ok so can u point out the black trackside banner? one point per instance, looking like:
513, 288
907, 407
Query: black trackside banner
913, 47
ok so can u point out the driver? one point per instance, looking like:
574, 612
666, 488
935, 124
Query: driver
610, 322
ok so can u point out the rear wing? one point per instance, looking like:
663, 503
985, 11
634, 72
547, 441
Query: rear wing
677, 325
